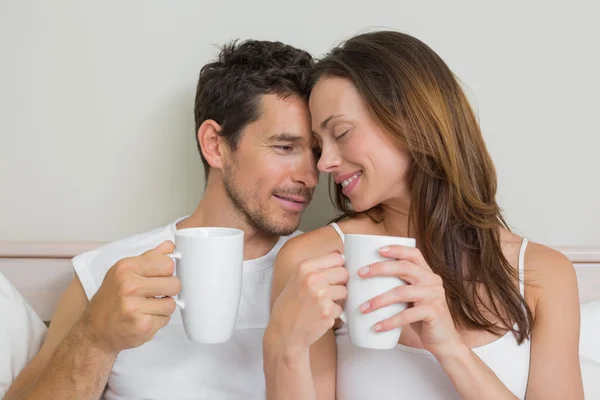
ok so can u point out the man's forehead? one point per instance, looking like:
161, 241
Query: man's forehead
272, 106
282, 119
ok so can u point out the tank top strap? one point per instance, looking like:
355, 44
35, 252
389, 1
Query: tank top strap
522, 267
338, 230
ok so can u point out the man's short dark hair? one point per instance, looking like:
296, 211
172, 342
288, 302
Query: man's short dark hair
229, 89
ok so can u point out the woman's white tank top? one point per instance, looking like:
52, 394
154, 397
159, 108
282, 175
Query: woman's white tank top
411, 373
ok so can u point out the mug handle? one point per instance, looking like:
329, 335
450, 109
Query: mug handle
176, 256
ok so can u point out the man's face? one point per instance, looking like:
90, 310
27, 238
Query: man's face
271, 175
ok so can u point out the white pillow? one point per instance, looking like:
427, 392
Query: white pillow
589, 339
590, 372
21, 334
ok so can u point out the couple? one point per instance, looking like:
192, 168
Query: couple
492, 316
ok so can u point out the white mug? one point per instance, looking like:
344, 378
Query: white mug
360, 251
209, 264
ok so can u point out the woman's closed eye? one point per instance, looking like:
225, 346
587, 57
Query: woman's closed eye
341, 135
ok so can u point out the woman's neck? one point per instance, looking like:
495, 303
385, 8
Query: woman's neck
395, 217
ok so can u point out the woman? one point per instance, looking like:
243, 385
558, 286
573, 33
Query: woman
408, 159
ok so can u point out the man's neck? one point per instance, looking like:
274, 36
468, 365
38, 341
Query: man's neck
216, 209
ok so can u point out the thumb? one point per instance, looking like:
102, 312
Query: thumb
165, 247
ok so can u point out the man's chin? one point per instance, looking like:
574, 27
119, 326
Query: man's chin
286, 232
285, 225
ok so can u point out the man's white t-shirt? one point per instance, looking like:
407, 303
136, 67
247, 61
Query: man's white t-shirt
172, 367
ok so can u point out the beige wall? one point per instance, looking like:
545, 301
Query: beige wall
96, 127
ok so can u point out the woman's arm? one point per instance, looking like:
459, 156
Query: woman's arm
303, 376
299, 345
555, 370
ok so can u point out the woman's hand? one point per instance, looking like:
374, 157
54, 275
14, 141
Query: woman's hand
307, 307
429, 315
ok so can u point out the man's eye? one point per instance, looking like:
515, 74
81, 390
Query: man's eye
317, 152
284, 148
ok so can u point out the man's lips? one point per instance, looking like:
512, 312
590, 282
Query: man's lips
295, 204
296, 199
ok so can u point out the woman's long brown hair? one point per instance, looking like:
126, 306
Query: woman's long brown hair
414, 96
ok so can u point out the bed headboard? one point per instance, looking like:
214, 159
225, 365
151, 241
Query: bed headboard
42, 270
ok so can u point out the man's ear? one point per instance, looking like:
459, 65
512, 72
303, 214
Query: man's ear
213, 145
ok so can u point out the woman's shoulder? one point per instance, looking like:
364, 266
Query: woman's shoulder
361, 223
549, 276
544, 259
540, 261
547, 267
309, 245
325, 239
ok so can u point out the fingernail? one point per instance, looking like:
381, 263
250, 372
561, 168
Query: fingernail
365, 306
384, 249
377, 328
363, 270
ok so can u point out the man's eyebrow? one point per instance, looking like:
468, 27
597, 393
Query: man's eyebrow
324, 123
285, 137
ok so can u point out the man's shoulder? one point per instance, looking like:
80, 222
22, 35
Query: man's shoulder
92, 266
132, 245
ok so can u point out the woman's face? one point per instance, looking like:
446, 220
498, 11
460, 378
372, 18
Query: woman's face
369, 163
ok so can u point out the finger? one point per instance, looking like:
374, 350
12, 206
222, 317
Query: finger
159, 286
164, 306
331, 311
334, 276
411, 254
404, 269
337, 292
319, 282
165, 247
405, 317
331, 260
155, 264
336, 311
159, 322
402, 294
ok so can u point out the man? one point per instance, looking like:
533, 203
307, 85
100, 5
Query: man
113, 332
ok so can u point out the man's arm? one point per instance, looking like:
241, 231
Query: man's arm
84, 338
67, 359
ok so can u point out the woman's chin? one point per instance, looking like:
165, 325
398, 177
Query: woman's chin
361, 206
